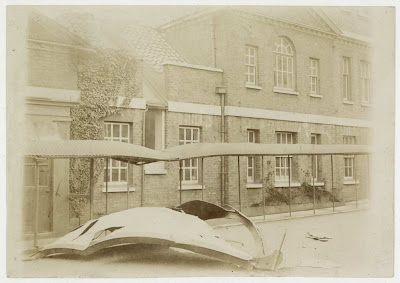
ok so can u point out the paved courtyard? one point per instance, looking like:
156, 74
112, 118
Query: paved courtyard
355, 250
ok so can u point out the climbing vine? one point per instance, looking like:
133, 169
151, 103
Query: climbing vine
103, 76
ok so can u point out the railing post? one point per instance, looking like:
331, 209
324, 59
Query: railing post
240, 198
333, 194
107, 160
202, 178
91, 187
355, 179
313, 180
262, 183
290, 191
127, 186
35, 240
180, 182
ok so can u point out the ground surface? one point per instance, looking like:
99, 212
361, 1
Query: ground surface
355, 250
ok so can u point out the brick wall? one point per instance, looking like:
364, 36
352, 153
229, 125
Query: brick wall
192, 85
234, 32
330, 134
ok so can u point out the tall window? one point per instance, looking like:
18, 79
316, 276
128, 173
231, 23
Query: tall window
117, 170
190, 167
315, 139
251, 162
346, 79
284, 65
349, 159
282, 162
251, 65
365, 81
314, 72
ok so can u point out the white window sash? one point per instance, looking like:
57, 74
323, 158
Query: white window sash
251, 68
119, 164
191, 166
251, 165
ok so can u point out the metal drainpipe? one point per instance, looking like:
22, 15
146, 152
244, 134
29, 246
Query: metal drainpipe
143, 144
222, 92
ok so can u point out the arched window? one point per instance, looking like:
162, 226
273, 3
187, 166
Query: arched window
284, 65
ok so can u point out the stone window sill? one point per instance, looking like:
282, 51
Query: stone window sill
191, 187
286, 184
317, 184
350, 182
253, 186
117, 188
253, 86
285, 91
348, 102
316, 95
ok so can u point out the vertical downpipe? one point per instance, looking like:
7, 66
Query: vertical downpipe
143, 144
222, 92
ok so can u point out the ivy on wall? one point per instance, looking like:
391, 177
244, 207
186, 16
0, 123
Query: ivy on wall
103, 76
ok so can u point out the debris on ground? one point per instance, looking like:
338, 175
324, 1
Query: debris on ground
318, 237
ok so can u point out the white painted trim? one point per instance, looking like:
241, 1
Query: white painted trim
315, 95
317, 184
204, 68
348, 102
350, 182
53, 94
295, 117
253, 186
194, 108
285, 91
136, 103
192, 187
117, 189
252, 86
61, 44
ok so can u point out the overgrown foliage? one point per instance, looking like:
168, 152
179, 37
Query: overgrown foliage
103, 76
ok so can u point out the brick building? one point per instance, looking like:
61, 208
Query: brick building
280, 75
290, 76
52, 56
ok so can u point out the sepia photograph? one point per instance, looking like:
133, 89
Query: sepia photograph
160, 141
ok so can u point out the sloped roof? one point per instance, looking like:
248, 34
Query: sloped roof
150, 46
351, 22
300, 15
41, 27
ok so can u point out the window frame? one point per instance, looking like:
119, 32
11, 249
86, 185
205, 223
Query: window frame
346, 79
192, 165
314, 76
365, 81
316, 164
349, 159
121, 166
251, 161
249, 65
288, 164
284, 58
